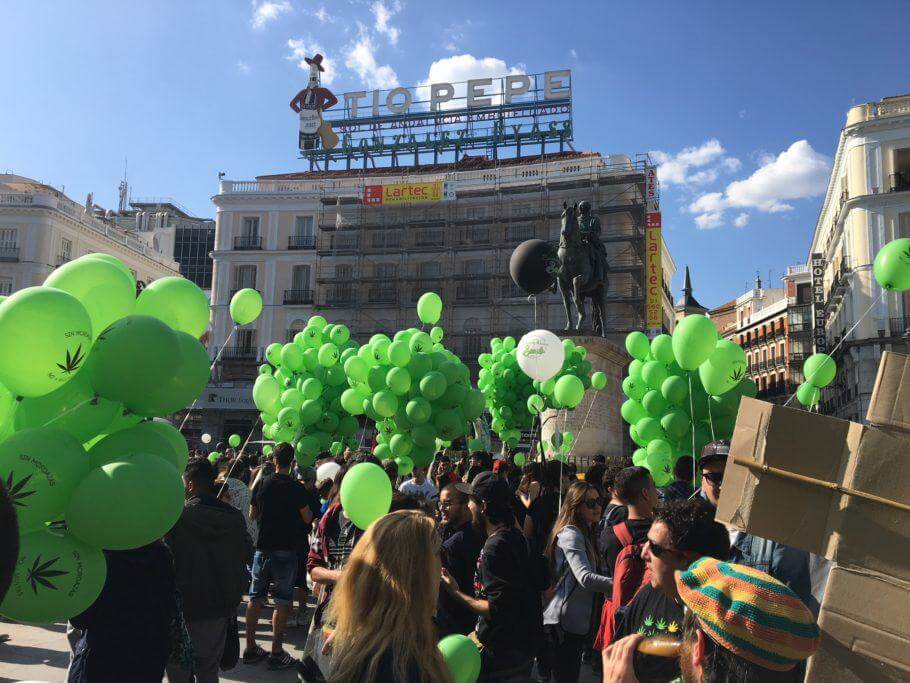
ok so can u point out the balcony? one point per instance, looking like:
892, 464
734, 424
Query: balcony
61, 259
797, 359
247, 242
302, 242
297, 297
900, 327
472, 291
240, 353
382, 296
9, 254
899, 182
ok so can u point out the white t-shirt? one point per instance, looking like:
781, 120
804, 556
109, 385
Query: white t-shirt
424, 490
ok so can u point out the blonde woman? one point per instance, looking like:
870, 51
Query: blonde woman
382, 608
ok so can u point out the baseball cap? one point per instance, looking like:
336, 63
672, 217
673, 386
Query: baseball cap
715, 451
488, 487
749, 613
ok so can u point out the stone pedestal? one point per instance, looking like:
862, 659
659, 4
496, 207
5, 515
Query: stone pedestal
603, 431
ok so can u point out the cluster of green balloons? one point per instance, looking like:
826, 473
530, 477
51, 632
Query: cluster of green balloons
819, 370
514, 399
85, 364
683, 391
298, 391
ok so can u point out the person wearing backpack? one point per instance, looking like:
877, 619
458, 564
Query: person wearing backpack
573, 551
507, 586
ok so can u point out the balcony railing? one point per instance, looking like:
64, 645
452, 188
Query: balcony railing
61, 259
302, 242
900, 182
900, 327
9, 254
382, 296
247, 242
240, 353
473, 291
297, 297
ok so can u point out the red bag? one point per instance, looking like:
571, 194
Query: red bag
629, 575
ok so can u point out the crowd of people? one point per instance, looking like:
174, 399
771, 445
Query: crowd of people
545, 568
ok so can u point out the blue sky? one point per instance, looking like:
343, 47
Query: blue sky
741, 102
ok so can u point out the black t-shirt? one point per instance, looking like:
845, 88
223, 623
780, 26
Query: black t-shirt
312, 502
503, 578
460, 551
610, 545
543, 512
652, 613
279, 500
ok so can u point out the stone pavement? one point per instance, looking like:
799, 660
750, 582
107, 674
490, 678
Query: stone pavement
41, 654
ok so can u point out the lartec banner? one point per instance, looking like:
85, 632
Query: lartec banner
654, 275
405, 193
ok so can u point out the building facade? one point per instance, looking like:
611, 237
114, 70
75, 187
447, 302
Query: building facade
41, 228
310, 243
867, 204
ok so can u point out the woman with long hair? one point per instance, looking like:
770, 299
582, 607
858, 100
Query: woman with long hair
382, 608
572, 549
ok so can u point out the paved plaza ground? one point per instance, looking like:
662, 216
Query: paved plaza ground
41, 653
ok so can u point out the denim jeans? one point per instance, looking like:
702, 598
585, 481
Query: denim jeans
278, 567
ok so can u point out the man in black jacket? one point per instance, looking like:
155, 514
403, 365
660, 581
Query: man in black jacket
211, 548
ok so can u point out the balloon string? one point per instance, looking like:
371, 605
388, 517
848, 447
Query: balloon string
692, 420
68, 411
583, 423
843, 339
237, 459
211, 370
711, 419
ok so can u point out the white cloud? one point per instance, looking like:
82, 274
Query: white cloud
268, 11
460, 68
799, 172
742, 113
383, 13
361, 59
243, 67
708, 158
323, 16
307, 47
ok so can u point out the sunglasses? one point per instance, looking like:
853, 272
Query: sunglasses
714, 477
591, 503
658, 550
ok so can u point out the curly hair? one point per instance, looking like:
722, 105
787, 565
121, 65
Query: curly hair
693, 529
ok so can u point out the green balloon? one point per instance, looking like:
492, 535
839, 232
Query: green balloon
637, 345
662, 349
462, 658
292, 398
56, 577
659, 460
114, 261
399, 353
891, 267
310, 411
181, 451
180, 389
41, 468
654, 373
635, 389
635, 368
132, 358
676, 390
654, 403
311, 388
819, 369
53, 336
246, 306
640, 457
649, 429
724, 369
291, 357
436, 334
385, 403
401, 445
420, 342
473, 404
598, 380
102, 288
352, 401
449, 424
288, 419
405, 465
366, 494
398, 380
748, 388
126, 443
569, 390
694, 340
418, 410
675, 423
356, 368
433, 385
176, 301
273, 353
126, 504
267, 394
424, 435
632, 411
535, 404
429, 308
328, 355
72, 408
340, 335
808, 394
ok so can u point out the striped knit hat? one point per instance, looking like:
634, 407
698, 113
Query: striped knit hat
751, 614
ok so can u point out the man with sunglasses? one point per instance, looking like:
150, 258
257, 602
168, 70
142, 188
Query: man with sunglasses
682, 532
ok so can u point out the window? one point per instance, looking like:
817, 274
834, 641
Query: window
472, 267
386, 271
295, 327
522, 209
66, 251
471, 346
246, 339
251, 226
475, 212
429, 269
9, 244
300, 278
520, 233
6, 286
303, 226
245, 276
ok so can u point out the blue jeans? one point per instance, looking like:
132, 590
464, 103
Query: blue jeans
278, 567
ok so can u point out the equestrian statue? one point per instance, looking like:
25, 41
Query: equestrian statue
583, 265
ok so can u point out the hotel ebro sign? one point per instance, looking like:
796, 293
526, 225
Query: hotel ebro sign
512, 110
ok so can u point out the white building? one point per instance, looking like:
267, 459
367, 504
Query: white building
867, 205
41, 229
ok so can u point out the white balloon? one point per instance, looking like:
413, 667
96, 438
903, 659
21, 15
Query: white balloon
326, 470
540, 354
206, 438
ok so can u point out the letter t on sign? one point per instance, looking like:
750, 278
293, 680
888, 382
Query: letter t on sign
350, 100
439, 93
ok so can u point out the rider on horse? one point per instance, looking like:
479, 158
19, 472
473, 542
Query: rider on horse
589, 226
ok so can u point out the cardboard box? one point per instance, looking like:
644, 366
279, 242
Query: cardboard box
840, 527
865, 622
890, 402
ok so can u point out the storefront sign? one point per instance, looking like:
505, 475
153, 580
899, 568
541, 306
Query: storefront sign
652, 196
407, 193
227, 398
818, 303
654, 274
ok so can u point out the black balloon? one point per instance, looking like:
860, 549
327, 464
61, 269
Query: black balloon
533, 266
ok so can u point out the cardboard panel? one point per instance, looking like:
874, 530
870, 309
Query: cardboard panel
889, 405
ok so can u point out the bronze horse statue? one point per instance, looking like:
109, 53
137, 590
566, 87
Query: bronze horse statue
577, 273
